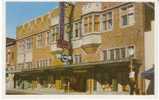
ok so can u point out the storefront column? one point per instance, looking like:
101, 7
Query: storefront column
91, 83
114, 85
114, 80
15, 81
58, 82
136, 80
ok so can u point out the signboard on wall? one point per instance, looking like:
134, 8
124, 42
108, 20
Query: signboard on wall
61, 43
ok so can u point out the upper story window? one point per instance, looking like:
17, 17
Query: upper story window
29, 43
77, 28
86, 24
39, 41
96, 23
112, 53
48, 37
119, 53
41, 63
21, 46
127, 15
55, 31
91, 23
123, 52
107, 21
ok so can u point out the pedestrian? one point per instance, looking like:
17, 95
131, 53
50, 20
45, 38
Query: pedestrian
132, 82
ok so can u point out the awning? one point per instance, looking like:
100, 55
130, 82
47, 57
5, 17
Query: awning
83, 66
148, 74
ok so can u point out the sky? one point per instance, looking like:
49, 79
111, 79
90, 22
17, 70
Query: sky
18, 13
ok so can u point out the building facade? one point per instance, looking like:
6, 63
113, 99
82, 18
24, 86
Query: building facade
107, 41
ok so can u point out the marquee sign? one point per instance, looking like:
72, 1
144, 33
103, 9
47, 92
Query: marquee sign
61, 43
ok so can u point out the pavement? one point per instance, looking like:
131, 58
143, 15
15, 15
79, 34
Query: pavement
52, 91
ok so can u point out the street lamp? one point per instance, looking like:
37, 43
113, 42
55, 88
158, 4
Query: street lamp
131, 51
132, 73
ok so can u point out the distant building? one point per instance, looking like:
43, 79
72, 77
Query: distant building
106, 38
10, 61
149, 72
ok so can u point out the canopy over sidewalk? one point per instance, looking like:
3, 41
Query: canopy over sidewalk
148, 74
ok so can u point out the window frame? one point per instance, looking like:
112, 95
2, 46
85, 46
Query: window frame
120, 52
126, 13
39, 40
106, 21
77, 59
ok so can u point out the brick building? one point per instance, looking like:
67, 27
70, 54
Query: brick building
107, 40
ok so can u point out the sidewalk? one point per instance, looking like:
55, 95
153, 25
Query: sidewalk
52, 91
41, 91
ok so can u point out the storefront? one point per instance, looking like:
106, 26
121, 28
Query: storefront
86, 77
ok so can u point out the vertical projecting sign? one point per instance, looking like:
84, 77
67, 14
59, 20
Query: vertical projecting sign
61, 42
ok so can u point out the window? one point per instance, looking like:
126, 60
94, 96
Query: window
39, 40
117, 51
127, 15
20, 47
90, 24
48, 37
77, 59
96, 23
29, 43
86, 25
124, 20
12, 55
107, 21
105, 55
123, 53
112, 54
38, 64
55, 31
28, 65
8, 57
77, 29
43, 63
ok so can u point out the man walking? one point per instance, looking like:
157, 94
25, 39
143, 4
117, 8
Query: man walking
132, 81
